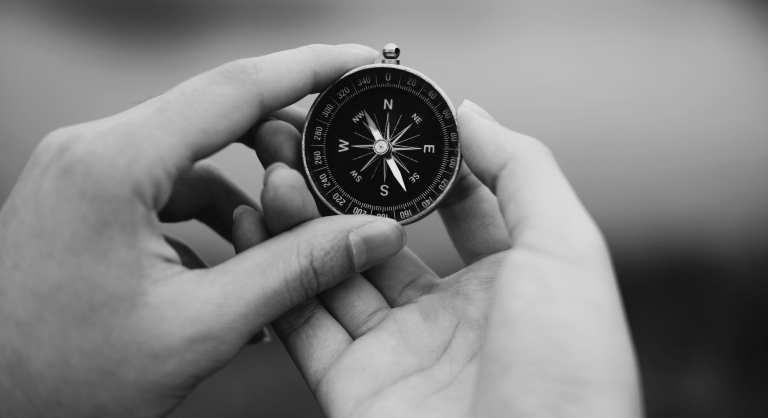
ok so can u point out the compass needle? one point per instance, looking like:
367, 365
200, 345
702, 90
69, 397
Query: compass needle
386, 128
400, 163
409, 134
396, 172
404, 148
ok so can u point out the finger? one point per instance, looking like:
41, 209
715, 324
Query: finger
211, 110
540, 209
278, 141
399, 280
294, 115
188, 257
298, 264
313, 339
287, 202
248, 228
402, 278
557, 316
355, 303
311, 335
206, 194
472, 218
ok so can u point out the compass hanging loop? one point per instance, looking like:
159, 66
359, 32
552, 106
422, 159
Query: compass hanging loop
391, 53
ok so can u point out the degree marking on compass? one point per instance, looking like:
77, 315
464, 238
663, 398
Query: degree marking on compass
322, 121
332, 189
321, 168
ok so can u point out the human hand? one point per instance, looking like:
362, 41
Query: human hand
98, 314
533, 326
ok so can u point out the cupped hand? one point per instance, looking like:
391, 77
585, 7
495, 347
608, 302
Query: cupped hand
100, 314
533, 326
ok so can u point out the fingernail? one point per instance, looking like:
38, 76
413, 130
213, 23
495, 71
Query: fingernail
479, 111
240, 209
375, 242
272, 168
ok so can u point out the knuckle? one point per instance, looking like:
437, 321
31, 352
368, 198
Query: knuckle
65, 149
81, 154
59, 141
537, 148
286, 325
310, 261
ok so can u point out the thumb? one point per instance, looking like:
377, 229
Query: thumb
260, 284
541, 210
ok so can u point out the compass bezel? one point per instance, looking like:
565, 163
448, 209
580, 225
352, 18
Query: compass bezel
426, 211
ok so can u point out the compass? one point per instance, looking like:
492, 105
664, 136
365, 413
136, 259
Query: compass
383, 141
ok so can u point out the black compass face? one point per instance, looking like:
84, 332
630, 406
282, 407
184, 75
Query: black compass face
382, 141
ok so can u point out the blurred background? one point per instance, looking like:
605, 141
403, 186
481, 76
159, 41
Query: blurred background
656, 109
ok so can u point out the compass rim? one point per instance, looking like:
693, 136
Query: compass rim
435, 204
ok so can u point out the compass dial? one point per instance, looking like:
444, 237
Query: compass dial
382, 141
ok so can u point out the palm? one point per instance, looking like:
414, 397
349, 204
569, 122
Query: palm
541, 335
421, 358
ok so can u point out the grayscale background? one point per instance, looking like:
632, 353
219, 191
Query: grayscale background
656, 109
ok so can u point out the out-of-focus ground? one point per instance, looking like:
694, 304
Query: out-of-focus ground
656, 110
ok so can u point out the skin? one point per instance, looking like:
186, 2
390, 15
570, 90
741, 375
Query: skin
100, 314
532, 326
